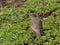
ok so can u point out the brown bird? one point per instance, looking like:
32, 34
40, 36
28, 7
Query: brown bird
36, 24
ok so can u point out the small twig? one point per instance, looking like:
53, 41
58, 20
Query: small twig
48, 14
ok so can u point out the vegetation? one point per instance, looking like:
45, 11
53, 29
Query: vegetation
15, 23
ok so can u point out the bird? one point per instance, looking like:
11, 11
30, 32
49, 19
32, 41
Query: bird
36, 24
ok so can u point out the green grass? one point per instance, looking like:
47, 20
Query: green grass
15, 24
